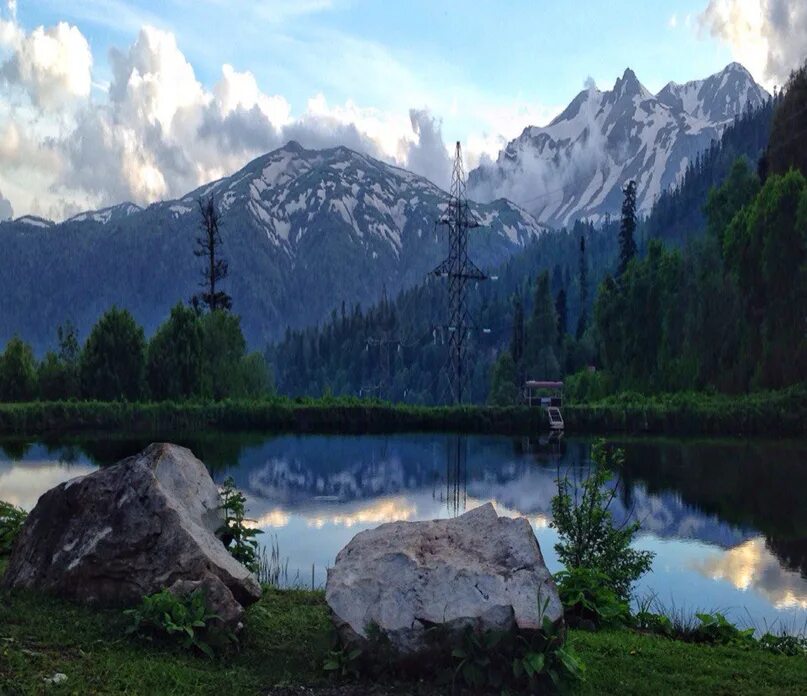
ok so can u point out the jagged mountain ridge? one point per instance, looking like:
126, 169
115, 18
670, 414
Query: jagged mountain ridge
575, 167
303, 230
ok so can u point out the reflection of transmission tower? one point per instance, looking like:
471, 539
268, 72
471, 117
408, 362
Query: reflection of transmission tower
459, 270
456, 493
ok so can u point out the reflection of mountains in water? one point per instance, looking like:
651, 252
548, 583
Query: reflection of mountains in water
324, 473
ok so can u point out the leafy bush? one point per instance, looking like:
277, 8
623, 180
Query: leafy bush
654, 623
525, 662
587, 594
343, 661
11, 520
586, 386
587, 535
784, 645
716, 628
183, 619
237, 535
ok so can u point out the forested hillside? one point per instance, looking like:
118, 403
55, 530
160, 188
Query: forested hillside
650, 328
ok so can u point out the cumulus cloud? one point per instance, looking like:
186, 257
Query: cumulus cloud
157, 132
6, 211
768, 36
50, 64
428, 155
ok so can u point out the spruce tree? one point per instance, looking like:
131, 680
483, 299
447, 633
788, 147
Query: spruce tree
560, 310
627, 244
582, 318
517, 340
216, 269
541, 333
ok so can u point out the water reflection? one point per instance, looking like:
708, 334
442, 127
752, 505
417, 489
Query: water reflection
723, 517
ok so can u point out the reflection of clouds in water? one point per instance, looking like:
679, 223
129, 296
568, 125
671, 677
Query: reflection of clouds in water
752, 566
385, 510
272, 518
22, 484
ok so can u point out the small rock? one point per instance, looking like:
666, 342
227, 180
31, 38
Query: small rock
56, 679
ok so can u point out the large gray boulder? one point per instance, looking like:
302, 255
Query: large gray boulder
128, 530
478, 570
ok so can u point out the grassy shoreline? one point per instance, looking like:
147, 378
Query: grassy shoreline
764, 413
287, 637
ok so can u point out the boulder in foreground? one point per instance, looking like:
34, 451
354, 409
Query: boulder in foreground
478, 570
129, 530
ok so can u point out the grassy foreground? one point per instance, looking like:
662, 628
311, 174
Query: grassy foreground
764, 413
285, 641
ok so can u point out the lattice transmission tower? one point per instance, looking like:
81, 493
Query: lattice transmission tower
460, 270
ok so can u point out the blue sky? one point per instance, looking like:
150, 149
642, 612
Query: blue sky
426, 53
107, 100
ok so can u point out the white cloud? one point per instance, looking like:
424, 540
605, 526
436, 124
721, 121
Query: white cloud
153, 130
428, 155
50, 64
768, 36
672, 22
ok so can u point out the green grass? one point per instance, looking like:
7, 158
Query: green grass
285, 640
690, 413
622, 662
287, 635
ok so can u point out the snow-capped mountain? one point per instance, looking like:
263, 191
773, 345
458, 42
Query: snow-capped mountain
576, 166
303, 231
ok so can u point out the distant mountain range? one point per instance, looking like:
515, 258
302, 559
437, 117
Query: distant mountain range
303, 230
576, 166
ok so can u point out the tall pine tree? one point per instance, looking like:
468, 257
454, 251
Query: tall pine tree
627, 244
216, 269
582, 318
541, 334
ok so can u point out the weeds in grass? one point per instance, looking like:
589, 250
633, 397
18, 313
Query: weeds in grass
272, 570
181, 619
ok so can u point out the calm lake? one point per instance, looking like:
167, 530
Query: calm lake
726, 518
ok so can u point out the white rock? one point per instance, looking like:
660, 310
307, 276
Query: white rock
478, 570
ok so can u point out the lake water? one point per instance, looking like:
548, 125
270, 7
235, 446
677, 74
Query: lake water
727, 518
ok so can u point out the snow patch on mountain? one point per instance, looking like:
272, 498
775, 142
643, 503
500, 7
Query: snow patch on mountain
575, 166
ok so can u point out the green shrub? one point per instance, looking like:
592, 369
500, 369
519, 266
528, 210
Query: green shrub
587, 594
653, 623
784, 645
235, 533
716, 628
343, 662
179, 619
11, 520
525, 662
588, 537
586, 386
